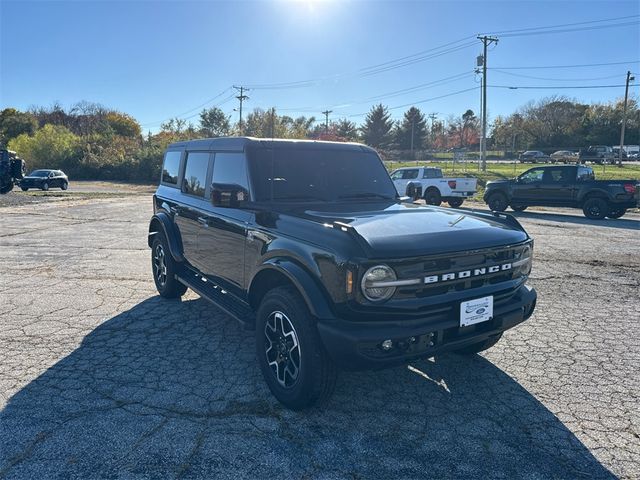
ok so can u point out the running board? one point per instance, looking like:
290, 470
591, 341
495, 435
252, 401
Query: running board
222, 299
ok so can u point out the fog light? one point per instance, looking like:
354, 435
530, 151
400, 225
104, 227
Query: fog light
387, 345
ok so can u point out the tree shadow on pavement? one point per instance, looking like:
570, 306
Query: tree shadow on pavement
172, 389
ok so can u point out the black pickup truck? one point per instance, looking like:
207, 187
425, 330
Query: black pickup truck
564, 186
309, 245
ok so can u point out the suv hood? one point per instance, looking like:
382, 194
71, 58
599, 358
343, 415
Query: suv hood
402, 229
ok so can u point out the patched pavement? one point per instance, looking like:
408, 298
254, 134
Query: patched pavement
99, 377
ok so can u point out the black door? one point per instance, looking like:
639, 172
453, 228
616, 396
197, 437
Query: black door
223, 235
188, 214
559, 185
528, 188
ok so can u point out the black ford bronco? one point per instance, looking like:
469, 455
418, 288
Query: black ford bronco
309, 245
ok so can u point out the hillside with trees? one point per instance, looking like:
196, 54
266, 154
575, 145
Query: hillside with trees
90, 141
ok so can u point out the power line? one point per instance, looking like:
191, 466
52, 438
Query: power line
521, 30
555, 79
565, 66
192, 109
557, 87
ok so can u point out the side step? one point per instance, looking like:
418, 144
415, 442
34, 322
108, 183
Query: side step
222, 299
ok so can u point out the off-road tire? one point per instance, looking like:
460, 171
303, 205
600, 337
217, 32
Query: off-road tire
455, 202
479, 347
616, 212
498, 202
595, 208
518, 208
316, 373
167, 284
432, 197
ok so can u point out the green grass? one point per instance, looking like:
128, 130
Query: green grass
503, 170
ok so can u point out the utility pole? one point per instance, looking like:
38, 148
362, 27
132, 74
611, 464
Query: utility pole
624, 117
486, 41
273, 120
326, 120
242, 97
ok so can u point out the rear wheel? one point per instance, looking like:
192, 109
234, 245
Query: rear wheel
480, 346
595, 208
64, 185
518, 208
432, 197
455, 202
164, 269
295, 365
497, 202
616, 212
24, 189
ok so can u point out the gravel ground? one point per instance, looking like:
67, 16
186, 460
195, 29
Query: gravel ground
99, 377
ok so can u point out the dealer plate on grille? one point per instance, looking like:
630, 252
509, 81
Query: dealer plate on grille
476, 311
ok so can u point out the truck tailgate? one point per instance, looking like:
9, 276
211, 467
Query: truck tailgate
463, 184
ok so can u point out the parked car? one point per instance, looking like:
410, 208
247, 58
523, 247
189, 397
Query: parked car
44, 180
564, 186
429, 183
600, 154
533, 156
564, 156
308, 245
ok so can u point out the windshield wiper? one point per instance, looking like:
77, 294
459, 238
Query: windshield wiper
366, 195
299, 197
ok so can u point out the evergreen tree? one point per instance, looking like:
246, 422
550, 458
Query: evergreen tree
377, 128
413, 121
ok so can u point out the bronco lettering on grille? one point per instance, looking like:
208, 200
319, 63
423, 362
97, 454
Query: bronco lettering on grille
476, 272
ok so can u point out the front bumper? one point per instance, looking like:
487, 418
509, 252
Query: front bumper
356, 345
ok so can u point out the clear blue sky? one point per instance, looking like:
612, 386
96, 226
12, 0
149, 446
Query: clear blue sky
158, 59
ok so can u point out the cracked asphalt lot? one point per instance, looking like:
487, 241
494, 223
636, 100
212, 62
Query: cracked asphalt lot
100, 378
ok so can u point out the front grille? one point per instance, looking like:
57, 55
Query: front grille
437, 266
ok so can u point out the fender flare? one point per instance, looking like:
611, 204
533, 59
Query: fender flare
162, 222
311, 292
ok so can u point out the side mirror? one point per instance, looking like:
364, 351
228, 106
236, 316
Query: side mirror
229, 195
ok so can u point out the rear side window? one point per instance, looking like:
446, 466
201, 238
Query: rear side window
410, 174
230, 169
171, 167
195, 173
432, 173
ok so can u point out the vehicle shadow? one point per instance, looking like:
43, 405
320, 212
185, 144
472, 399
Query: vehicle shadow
172, 389
624, 223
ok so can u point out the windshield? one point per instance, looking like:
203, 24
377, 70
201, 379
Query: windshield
318, 174
39, 173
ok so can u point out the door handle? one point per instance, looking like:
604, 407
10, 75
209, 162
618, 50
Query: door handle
174, 210
203, 221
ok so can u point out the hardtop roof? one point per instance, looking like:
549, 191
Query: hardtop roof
241, 143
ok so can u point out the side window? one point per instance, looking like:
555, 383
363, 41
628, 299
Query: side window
585, 173
230, 169
410, 174
554, 175
195, 173
432, 173
397, 175
531, 176
171, 167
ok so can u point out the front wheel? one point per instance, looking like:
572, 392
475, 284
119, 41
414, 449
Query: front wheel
455, 202
497, 202
518, 208
616, 212
294, 364
45, 186
595, 208
164, 269
480, 346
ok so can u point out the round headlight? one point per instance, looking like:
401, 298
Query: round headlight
525, 258
373, 283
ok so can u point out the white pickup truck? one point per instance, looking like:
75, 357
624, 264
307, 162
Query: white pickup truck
430, 184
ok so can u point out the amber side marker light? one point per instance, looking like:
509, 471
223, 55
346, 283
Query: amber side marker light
349, 282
